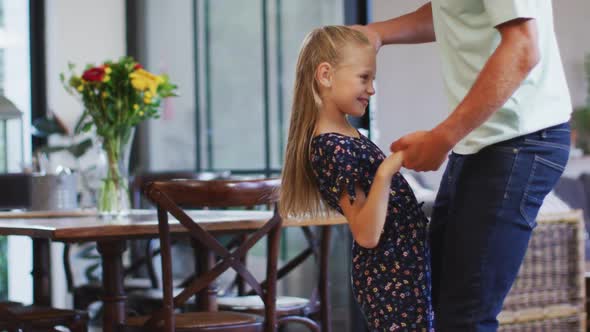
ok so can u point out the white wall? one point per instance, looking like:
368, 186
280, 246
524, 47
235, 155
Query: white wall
410, 93
81, 32
573, 28
14, 37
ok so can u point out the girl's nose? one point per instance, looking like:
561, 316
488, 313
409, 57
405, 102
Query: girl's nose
371, 89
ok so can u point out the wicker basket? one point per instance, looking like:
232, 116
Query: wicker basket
549, 291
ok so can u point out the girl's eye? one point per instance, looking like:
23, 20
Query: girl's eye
365, 77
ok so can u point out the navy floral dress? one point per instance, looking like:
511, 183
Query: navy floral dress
391, 282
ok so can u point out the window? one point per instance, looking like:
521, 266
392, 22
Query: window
235, 77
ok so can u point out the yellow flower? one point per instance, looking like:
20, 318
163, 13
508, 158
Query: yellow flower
105, 94
141, 113
142, 80
148, 94
106, 78
147, 100
80, 88
135, 107
108, 70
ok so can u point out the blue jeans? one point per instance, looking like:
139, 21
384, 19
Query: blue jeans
482, 221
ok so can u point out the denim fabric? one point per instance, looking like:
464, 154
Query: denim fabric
482, 221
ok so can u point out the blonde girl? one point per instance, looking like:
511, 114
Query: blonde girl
329, 164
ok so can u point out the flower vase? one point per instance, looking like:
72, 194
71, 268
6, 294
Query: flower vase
113, 196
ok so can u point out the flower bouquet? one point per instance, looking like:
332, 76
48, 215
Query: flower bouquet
116, 97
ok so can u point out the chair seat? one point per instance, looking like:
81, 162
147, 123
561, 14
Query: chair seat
46, 317
254, 302
36, 313
196, 320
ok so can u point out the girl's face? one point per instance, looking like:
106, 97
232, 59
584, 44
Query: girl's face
352, 81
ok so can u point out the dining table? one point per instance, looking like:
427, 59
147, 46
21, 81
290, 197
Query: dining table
111, 234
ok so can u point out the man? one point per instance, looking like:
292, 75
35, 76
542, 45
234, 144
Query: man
509, 138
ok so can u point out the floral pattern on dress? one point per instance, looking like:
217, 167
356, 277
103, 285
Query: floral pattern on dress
390, 282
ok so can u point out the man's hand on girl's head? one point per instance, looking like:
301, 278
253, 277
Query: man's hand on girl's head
371, 34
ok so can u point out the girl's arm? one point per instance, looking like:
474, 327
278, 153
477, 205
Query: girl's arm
366, 215
412, 28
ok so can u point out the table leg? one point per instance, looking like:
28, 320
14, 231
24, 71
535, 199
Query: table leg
273, 242
324, 287
204, 261
41, 272
114, 297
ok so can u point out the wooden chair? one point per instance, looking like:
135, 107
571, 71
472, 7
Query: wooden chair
171, 197
142, 251
15, 317
310, 312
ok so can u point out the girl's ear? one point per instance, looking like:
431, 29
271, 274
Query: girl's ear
323, 74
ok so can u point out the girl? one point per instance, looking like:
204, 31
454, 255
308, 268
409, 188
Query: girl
327, 159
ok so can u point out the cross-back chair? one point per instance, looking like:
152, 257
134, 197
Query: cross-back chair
142, 251
170, 197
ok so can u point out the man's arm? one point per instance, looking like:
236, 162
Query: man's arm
511, 62
412, 28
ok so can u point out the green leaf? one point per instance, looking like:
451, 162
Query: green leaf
87, 126
81, 122
78, 150
43, 127
52, 149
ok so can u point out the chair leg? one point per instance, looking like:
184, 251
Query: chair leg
26, 327
79, 326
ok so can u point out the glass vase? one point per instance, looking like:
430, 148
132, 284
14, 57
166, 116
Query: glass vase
113, 196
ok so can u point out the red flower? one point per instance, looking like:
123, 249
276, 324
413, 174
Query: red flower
137, 66
95, 74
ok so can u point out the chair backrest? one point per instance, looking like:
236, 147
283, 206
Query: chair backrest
141, 179
171, 196
7, 318
218, 193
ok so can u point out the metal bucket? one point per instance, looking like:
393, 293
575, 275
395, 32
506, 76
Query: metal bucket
54, 192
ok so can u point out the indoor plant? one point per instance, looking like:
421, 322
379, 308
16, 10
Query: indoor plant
116, 97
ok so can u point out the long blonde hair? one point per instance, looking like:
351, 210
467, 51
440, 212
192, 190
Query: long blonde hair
299, 192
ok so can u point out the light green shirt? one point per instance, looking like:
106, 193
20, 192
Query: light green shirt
466, 34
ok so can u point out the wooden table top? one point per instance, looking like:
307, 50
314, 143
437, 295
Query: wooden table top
74, 226
86, 225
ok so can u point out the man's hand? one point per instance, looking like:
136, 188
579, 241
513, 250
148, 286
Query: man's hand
372, 35
423, 150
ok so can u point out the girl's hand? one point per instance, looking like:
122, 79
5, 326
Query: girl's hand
391, 165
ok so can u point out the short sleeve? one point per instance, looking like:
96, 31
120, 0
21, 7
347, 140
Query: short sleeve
502, 11
346, 169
